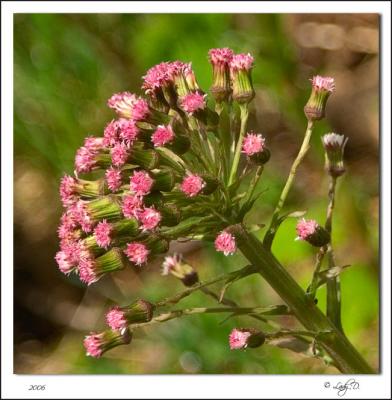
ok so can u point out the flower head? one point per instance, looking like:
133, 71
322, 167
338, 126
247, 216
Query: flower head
111, 133
85, 159
149, 218
162, 135
116, 319
141, 183
322, 87
79, 213
137, 253
220, 56
128, 131
94, 143
225, 243
64, 262
97, 343
113, 179
240, 72
68, 193
127, 105
192, 185
244, 338
102, 234
119, 154
253, 144
334, 145
241, 62
156, 77
238, 339
132, 206
88, 270
312, 232
193, 102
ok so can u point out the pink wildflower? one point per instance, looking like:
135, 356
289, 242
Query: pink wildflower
93, 345
128, 131
102, 234
193, 102
323, 83
220, 56
67, 225
127, 105
110, 135
94, 143
149, 218
141, 183
85, 159
156, 77
137, 253
65, 264
79, 212
192, 185
115, 318
87, 270
113, 179
162, 135
132, 206
238, 339
119, 154
67, 191
306, 228
241, 62
252, 144
225, 243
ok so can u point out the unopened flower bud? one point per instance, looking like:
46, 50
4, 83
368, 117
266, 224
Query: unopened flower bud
312, 232
241, 338
221, 85
177, 267
241, 78
98, 343
334, 153
322, 87
119, 318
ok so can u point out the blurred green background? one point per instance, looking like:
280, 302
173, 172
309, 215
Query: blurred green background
67, 66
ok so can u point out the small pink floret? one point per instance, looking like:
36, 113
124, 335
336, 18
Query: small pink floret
253, 144
79, 213
67, 190
132, 206
85, 159
119, 154
115, 318
220, 56
323, 82
162, 135
193, 102
141, 183
225, 243
192, 185
149, 218
113, 179
102, 234
156, 77
111, 133
305, 228
94, 143
241, 62
93, 344
137, 253
238, 339
65, 264
128, 131
87, 270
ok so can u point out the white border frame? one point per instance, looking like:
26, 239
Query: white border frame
179, 386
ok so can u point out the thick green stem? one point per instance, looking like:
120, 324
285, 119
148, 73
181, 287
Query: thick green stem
237, 154
345, 356
270, 234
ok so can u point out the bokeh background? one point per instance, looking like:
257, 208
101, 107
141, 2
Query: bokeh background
65, 68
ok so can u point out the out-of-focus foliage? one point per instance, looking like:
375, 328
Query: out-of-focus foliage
66, 66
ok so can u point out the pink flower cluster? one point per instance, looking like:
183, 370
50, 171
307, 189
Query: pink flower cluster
127, 105
192, 185
225, 243
115, 318
238, 339
323, 83
241, 62
221, 56
162, 135
193, 102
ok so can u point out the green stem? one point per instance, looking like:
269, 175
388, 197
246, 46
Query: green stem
333, 284
312, 289
345, 356
270, 234
244, 121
